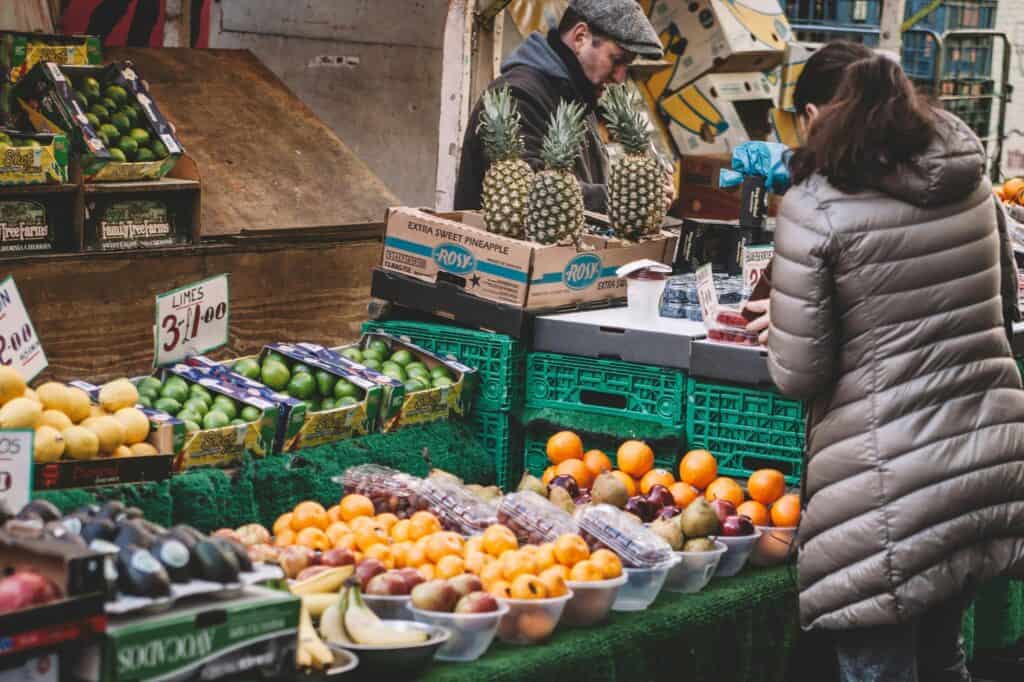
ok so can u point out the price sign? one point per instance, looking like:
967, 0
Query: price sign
755, 262
707, 293
20, 348
15, 468
191, 320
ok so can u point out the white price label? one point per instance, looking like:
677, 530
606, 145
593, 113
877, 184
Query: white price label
15, 468
707, 293
20, 348
191, 320
755, 262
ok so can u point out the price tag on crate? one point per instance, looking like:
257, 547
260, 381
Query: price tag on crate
755, 262
191, 320
706, 292
20, 348
15, 468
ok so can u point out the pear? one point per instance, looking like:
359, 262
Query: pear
533, 484
444, 475
608, 489
561, 498
699, 545
699, 519
670, 532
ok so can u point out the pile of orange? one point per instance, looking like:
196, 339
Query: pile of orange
635, 463
1011, 191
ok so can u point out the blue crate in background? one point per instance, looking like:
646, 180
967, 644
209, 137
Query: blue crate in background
965, 57
834, 12
954, 14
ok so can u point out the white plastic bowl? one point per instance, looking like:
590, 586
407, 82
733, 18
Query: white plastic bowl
390, 607
591, 601
773, 548
694, 570
642, 586
733, 561
471, 633
531, 621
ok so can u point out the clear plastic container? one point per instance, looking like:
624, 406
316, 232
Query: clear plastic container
531, 621
694, 570
390, 607
471, 633
458, 509
533, 519
729, 326
592, 601
602, 525
739, 549
642, 586
774, 547
390, 490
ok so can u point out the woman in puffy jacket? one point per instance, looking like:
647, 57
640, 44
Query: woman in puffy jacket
887, 315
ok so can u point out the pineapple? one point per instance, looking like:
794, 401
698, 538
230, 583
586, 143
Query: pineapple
636, 193
555, 209
507, 181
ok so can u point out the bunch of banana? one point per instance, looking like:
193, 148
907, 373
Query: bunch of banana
350, 621
317, 592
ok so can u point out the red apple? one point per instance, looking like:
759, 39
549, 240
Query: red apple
724, 509
668, 512
477, 602
736, 526
366, 569
660, 496
465, 584
337, 557
386, 584
412, 578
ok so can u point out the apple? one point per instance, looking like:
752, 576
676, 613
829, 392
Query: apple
434, 595
310, 571
660, 496
337, 557
565, 481
465, 584
412, 578
387, 584
737, 525
668, 512
477, 602
25, 589
724, 509
640, 507
366, 569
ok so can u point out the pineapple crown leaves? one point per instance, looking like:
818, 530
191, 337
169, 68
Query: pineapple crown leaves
499, 126
625, 118
565, 137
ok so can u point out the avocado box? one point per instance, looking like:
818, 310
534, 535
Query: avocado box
33, 158
252, 634
68, 100
455, 248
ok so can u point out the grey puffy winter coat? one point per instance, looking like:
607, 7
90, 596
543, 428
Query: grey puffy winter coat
887, 315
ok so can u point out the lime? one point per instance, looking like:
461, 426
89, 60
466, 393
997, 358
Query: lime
299, 367
379, 346
345, 389
27, 142
413, 385
440, 371
248, 368
90, 84
175, 392
144, 155
128, 145
388, 364
108, 104
198, 390
145, 401
215, 419
191, 427
353, 354
174, 380
238, 422
132, 115
188, 415
346, 402
100, 111
150, 393
250, 413
226, 405
104, 139
372, 363
417, 371
325, 383
93, 120
327, 404
402, 357
302, 385
273, 355
373, 353
82, 100
118, 155
168, 405
116, 93
395, 373
159, 150
440, 382
122, 122
196, 405
275, 375
415, 363
151, 382
140, 135
313, 406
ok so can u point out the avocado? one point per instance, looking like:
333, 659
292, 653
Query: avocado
187, 534
215, 562
132, 533
134, 513
113, 510
174, 556
41, 508
140, 574
242, 556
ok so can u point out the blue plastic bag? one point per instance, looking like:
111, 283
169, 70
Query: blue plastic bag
769, 160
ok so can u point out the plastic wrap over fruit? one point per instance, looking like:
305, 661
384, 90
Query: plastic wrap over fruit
458, 509
391, 491
533, 519
604, 526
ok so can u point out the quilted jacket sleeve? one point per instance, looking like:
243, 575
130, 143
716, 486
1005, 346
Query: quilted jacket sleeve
802, 336
1008, 271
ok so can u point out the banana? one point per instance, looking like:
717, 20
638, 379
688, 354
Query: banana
316, 604
364, 627
312, 652
328, 581
331, 627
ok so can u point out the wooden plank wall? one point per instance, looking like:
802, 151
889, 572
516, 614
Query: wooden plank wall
94, 313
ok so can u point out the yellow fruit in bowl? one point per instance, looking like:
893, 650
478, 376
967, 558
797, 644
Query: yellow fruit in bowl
95, 412
586, 571
516, 563
12, 385
20, 413
48, 445
56, 419
571, 549
554, 581
545, 556
79, 406
497, 539
118, 394
528, 586
135, 423
80, 443
501, 589
609, 563
450, 566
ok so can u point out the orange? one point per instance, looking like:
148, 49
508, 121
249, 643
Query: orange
372, 536
766, 485
597, 462
998, 189
314, 538
346, 542
361, 524
284, 522
387, 520
428, 571
476, 561
492, 572
577, 469
627, 481
586, 571
450, 566
400, 531
475, 544
400, 554
440, 545
498, 539
549, 473
516, 563
353, 506
336, 531
786, 511
381, 553
698, 468
285, 538
334, 514
724, 488
545, 556
309, 515
656, 477
635, 458
1012, 188
559, 569
756, 512
564, 445
423, 526
415, 556
570, 549
683, 494
554, 582
528, 587
609, 563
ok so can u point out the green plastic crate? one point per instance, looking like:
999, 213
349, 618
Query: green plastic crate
612, 387
501, 435
535, 456
497, 358
746, 429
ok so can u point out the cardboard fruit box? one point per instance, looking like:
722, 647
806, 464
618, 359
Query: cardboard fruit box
702, 197
33, 158
19, 52
50, 102
456, 248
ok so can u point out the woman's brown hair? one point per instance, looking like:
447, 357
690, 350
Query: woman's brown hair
875, 122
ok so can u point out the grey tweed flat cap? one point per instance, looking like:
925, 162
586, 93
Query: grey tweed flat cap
624, 22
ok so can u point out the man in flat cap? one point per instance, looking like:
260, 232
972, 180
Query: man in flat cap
593, 45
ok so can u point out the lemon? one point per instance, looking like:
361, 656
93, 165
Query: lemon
123, 451
118, 394
79, 406
56, 419
20, 413
144, 449
80, 443
48, 445
11, 384
136, 424
109, 431
53, 396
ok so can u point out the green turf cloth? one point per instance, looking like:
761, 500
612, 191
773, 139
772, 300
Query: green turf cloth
209, 499
740, 629
154, 499
999, 614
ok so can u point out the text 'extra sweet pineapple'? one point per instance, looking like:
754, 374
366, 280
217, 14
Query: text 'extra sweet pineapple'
507, 182
555, 209
636, 183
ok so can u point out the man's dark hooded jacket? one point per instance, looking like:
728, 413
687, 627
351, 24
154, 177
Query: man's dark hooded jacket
542, 72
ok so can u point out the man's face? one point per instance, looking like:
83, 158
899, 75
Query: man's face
603, 61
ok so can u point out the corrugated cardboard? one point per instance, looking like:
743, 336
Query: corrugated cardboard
701, 197
721, 36
454, 247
